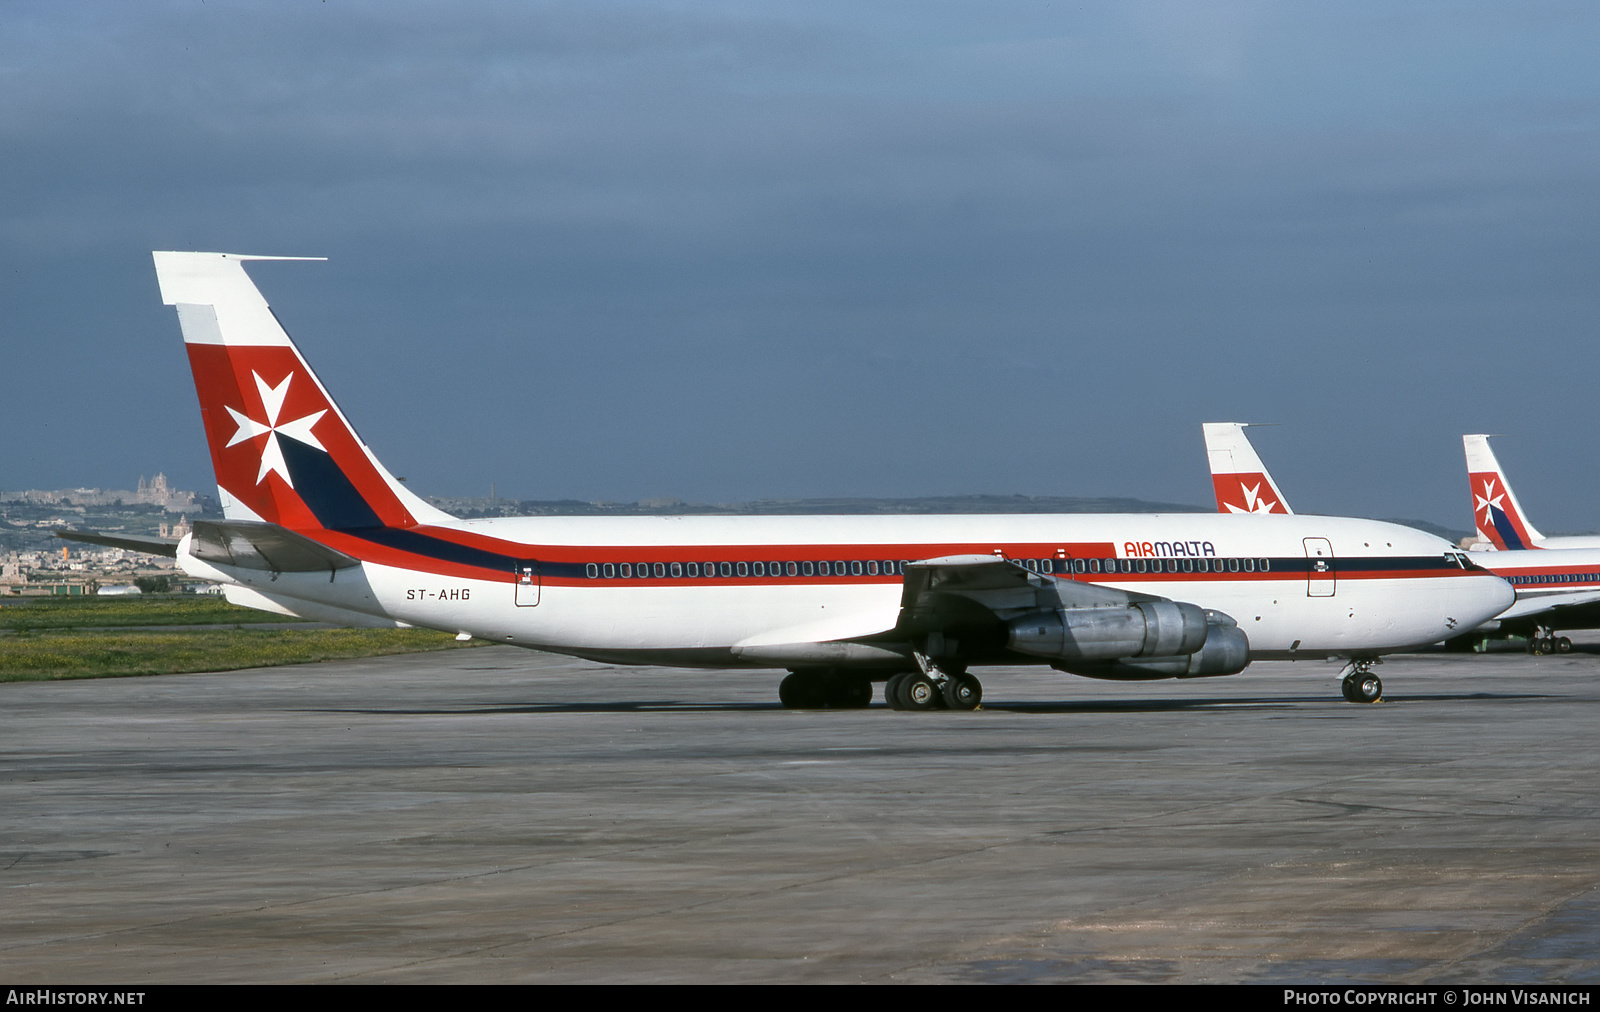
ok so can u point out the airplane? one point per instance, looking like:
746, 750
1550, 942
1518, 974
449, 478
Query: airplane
315, 526
1495, 509
1556, 588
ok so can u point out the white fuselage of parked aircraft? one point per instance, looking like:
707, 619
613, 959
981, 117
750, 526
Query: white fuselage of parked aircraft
316, 526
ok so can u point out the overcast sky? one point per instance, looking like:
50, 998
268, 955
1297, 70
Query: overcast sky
728, 251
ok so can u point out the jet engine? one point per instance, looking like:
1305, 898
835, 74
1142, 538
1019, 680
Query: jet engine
1146, 640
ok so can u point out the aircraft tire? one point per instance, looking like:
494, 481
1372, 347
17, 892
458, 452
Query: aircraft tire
891, 691
921, 692
1363, 688
1563, 645
798, 691
962, 692
843, 692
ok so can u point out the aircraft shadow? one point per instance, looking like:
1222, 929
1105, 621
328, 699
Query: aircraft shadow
1000, 706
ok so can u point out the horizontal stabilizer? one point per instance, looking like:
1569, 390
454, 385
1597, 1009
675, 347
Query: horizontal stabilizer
132, 542
251, 544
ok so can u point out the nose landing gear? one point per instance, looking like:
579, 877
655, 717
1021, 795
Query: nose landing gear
1360, 685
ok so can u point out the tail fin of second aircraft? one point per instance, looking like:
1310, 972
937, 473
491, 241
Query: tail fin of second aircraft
282, 450
1240, 480
1495, 508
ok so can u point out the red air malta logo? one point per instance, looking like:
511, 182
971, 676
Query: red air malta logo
1487, 500
279, 446
1242, 493
1496, 515
272, 398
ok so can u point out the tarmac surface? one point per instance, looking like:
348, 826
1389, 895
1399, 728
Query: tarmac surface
498, 815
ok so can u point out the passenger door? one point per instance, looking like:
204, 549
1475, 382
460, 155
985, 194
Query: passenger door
1320, 577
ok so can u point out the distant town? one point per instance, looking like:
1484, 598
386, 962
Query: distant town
34, 562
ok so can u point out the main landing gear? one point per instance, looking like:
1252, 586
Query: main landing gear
1360, 685
1545, 641
934, 688
824, 689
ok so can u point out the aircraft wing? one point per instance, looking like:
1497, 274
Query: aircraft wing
132, 542
958, 592
1544, 604
953, 596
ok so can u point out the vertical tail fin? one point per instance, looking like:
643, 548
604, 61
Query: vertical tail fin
283, 452
1495, 509
1238, 477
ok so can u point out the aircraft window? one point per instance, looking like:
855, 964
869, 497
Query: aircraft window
625, 570
724, 569
1264, 565
641, 570
1188, 565
1233, 565
839, 569
1032, 565
677, 569
691, 569
743, 568
609, 570
1141, 565
807, 568
591, 570
661, 569
758, 569
791, 569
855, 567
886, 567
872, 567
1249, 565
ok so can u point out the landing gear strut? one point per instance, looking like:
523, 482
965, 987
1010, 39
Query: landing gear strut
1360, 685
1545, 641
934, 687
824, 689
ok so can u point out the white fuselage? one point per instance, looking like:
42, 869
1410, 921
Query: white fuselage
1298, 586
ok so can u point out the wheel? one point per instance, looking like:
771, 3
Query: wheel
844, 692
920, 692
962, 692
791, 692
800, 691
1564, 645
891, 691
1362, 687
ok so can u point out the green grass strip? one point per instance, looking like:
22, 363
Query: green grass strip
47, 656
70, 613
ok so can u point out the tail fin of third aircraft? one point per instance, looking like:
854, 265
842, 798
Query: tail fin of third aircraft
1495, 508
1240, 480
282, 450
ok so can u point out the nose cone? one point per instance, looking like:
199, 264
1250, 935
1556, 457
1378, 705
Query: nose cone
1491, 595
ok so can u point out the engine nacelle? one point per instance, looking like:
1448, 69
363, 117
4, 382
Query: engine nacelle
1145, 629
1226, 652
